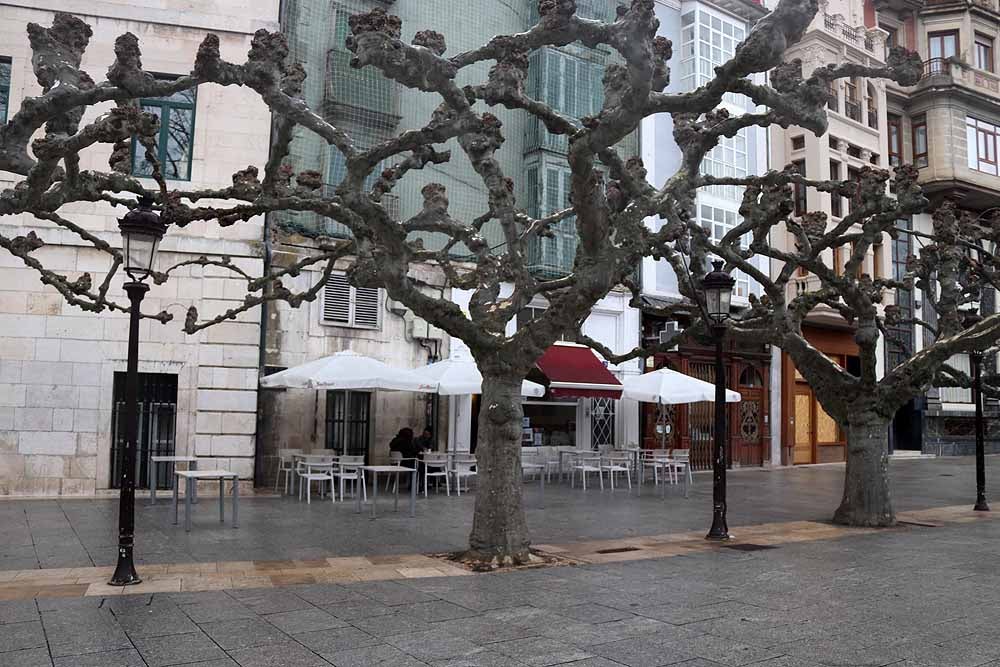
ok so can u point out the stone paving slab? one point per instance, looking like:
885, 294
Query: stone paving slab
909, 597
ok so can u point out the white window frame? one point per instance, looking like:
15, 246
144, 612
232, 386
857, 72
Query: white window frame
352, 307
975, 131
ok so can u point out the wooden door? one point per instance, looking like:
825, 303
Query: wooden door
803, 451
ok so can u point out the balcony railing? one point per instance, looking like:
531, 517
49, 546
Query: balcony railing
936, 66
858, 36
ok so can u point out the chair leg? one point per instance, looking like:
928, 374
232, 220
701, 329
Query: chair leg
628, 478
600, 476
426, 481
309, 488
447, 486
611, 474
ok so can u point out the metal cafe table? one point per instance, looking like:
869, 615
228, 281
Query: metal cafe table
389, 470
192, 477
192, 462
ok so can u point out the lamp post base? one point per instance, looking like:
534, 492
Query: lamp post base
719, 529
125, 574
981, 505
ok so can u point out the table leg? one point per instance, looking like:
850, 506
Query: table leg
236, 502
395, 504
640, 471
175, 500
414, 476
542, 476
374, 492
152, 482
193, 465
357, 496
222, 500
187, 505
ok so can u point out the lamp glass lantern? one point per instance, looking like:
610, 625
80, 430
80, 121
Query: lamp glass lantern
141, 230
718, 286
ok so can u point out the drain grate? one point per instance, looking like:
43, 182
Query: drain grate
618, 550
749, 547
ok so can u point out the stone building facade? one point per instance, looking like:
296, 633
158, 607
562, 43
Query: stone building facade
61, 368
947, 126
843, 31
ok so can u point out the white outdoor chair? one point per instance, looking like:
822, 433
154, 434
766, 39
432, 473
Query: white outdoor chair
316, 471
464, 466
657, 460
347, 471
286, 466
680, 464
586, 464
533, 462
436, 465
617, 463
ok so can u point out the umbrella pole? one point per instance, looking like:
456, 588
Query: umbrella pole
663, 424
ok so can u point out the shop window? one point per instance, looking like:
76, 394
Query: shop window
347, 305
175, 141
981, 144
984, 52
4, 88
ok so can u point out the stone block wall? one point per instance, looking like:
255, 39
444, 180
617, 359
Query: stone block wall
57, 362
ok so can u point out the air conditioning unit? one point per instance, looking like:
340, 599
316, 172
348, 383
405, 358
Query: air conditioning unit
421, 330
668, 331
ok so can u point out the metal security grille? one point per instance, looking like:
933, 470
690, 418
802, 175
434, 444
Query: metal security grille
701, 420
157, 427
348, 422
602, 422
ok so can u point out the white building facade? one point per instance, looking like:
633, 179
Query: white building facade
62, 369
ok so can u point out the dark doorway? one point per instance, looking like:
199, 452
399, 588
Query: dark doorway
157, 428
906, 431
348, 422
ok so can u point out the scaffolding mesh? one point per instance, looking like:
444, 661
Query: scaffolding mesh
371, 109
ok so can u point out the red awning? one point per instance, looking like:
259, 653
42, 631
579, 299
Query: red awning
575, 371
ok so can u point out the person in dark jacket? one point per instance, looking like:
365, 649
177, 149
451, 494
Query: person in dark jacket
425, 443
407, 447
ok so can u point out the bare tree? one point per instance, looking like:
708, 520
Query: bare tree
610, 217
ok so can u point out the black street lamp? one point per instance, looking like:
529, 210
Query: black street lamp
971, 318
141, 233
718, 286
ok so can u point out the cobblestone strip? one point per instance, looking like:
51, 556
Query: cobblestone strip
233, 575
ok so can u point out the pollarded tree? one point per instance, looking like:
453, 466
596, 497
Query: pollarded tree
609, 217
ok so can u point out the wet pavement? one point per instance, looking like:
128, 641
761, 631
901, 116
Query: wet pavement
82, 533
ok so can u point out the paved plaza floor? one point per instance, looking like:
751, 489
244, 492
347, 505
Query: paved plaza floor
916, 596
795, 592
83, 533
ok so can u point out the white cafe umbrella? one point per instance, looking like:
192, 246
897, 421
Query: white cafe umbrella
347, 370
667, 386
458, 376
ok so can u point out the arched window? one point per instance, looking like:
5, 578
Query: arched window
750, 378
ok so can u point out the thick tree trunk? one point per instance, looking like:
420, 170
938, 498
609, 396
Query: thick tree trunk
499, 529
867, 500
